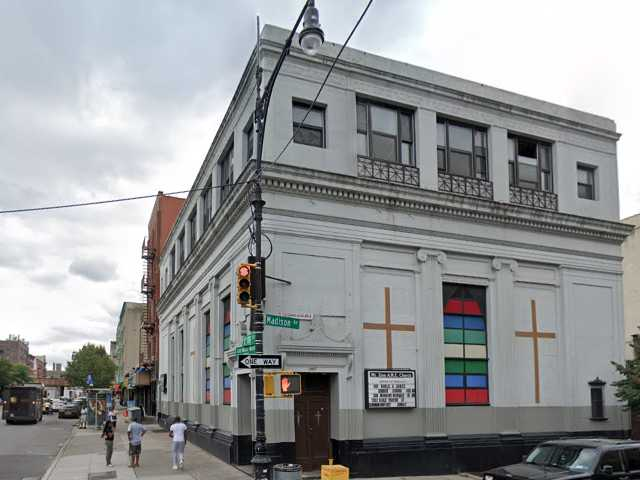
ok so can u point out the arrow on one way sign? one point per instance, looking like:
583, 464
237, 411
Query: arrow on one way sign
260, 361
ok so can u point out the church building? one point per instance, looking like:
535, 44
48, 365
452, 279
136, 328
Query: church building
451, 253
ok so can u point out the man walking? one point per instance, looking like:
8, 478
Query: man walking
135, 432
178, 433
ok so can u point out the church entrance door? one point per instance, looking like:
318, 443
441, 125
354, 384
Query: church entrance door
311, 417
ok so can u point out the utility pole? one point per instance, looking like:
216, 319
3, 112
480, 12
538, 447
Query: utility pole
310, 38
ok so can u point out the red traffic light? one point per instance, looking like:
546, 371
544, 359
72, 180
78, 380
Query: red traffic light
244, 271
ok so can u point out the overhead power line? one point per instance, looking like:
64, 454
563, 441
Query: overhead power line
333, 64
115, 200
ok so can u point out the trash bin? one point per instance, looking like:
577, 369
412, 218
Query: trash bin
287, 471
135, 414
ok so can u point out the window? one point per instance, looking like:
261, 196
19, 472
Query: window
182, 249
586, 182
181, 365
462, 149
385, 133
226, 174
465, 338
226, 343
248, 138
207, 205
311, 132
611, 459
172, 264
529, 164
207, 385
633, 459
207, 334
193, 229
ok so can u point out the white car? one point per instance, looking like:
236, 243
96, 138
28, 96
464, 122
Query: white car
56, 404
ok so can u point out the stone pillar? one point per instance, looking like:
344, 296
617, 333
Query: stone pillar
499, 163
426, 148
501, 330
430, 386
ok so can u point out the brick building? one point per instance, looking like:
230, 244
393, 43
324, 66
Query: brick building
16, 350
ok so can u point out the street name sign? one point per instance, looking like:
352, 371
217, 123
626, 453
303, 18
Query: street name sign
246, 350
249, 340
283, 322
260, 361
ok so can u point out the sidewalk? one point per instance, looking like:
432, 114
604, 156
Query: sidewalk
82, 458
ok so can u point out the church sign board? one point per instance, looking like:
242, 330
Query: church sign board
390, 388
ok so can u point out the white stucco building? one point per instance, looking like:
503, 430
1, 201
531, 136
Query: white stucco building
631, 264
426, 222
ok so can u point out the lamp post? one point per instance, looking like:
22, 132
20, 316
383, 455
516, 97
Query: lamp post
311, 38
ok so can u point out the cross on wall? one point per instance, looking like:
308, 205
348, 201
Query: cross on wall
388, 327
535, 335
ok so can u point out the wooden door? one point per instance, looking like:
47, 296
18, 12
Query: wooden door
311, 417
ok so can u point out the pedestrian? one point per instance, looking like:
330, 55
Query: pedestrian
135, 432
178, 433
108, 435
83, 417
113, 417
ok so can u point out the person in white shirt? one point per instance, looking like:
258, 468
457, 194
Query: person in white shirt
178, 432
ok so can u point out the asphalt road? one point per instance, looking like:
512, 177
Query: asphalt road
27, 450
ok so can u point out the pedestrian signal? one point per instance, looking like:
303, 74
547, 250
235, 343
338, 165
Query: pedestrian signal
290, 384
244, 278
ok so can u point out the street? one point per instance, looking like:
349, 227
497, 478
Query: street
27, 450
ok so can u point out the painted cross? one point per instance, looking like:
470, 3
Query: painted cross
318, 416
388, 327
534, 334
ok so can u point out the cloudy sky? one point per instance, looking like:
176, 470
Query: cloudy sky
120, 98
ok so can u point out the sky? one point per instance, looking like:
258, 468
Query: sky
114, 99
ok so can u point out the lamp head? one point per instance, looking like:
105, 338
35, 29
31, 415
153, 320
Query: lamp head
311, 37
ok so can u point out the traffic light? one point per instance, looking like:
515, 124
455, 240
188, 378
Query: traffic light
290, 384
244, 277
269, 387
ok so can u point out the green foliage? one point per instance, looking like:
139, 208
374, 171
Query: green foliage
91, 359
13, 373
628, 388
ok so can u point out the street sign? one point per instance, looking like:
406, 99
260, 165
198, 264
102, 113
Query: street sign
249, 340
284, 322
260, 361
299, 316
246, 350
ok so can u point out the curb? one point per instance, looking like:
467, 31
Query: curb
55, 461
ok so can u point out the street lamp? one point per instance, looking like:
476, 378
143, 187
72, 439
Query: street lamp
311, 38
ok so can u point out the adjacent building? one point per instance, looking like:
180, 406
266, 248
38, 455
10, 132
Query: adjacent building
163, 216
128, 345
631, 262
452, 251
16, 350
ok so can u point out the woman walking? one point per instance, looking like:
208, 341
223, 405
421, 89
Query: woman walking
108, 435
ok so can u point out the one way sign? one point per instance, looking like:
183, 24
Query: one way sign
260, 361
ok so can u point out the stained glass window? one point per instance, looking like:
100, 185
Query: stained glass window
465, 337
226, 341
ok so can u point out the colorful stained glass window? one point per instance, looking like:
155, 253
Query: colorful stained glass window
465, 344
226, 341
207, 385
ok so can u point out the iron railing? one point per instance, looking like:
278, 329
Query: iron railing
533, 198
388, 171
470, 186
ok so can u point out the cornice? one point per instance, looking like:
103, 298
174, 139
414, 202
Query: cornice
344, 188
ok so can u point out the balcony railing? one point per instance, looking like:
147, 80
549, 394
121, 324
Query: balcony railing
388, 171
533, 198
470, 186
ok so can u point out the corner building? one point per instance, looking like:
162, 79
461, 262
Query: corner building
454, 247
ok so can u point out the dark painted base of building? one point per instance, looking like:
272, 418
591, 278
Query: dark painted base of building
393, 456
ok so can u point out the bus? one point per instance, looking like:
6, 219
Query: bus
23, 403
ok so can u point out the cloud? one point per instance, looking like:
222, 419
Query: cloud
49, 278
94, 269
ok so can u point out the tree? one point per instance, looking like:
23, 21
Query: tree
13, 373
628, 388
91, 359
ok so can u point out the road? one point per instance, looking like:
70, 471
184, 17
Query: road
27, 450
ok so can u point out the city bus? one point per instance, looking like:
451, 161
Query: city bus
23, 403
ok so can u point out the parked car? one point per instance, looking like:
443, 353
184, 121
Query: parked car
600, 459
56, 404
70, 410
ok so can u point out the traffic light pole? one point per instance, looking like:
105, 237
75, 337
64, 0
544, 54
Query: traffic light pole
261, 461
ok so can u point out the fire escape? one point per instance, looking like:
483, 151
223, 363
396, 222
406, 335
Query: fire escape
147, 343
